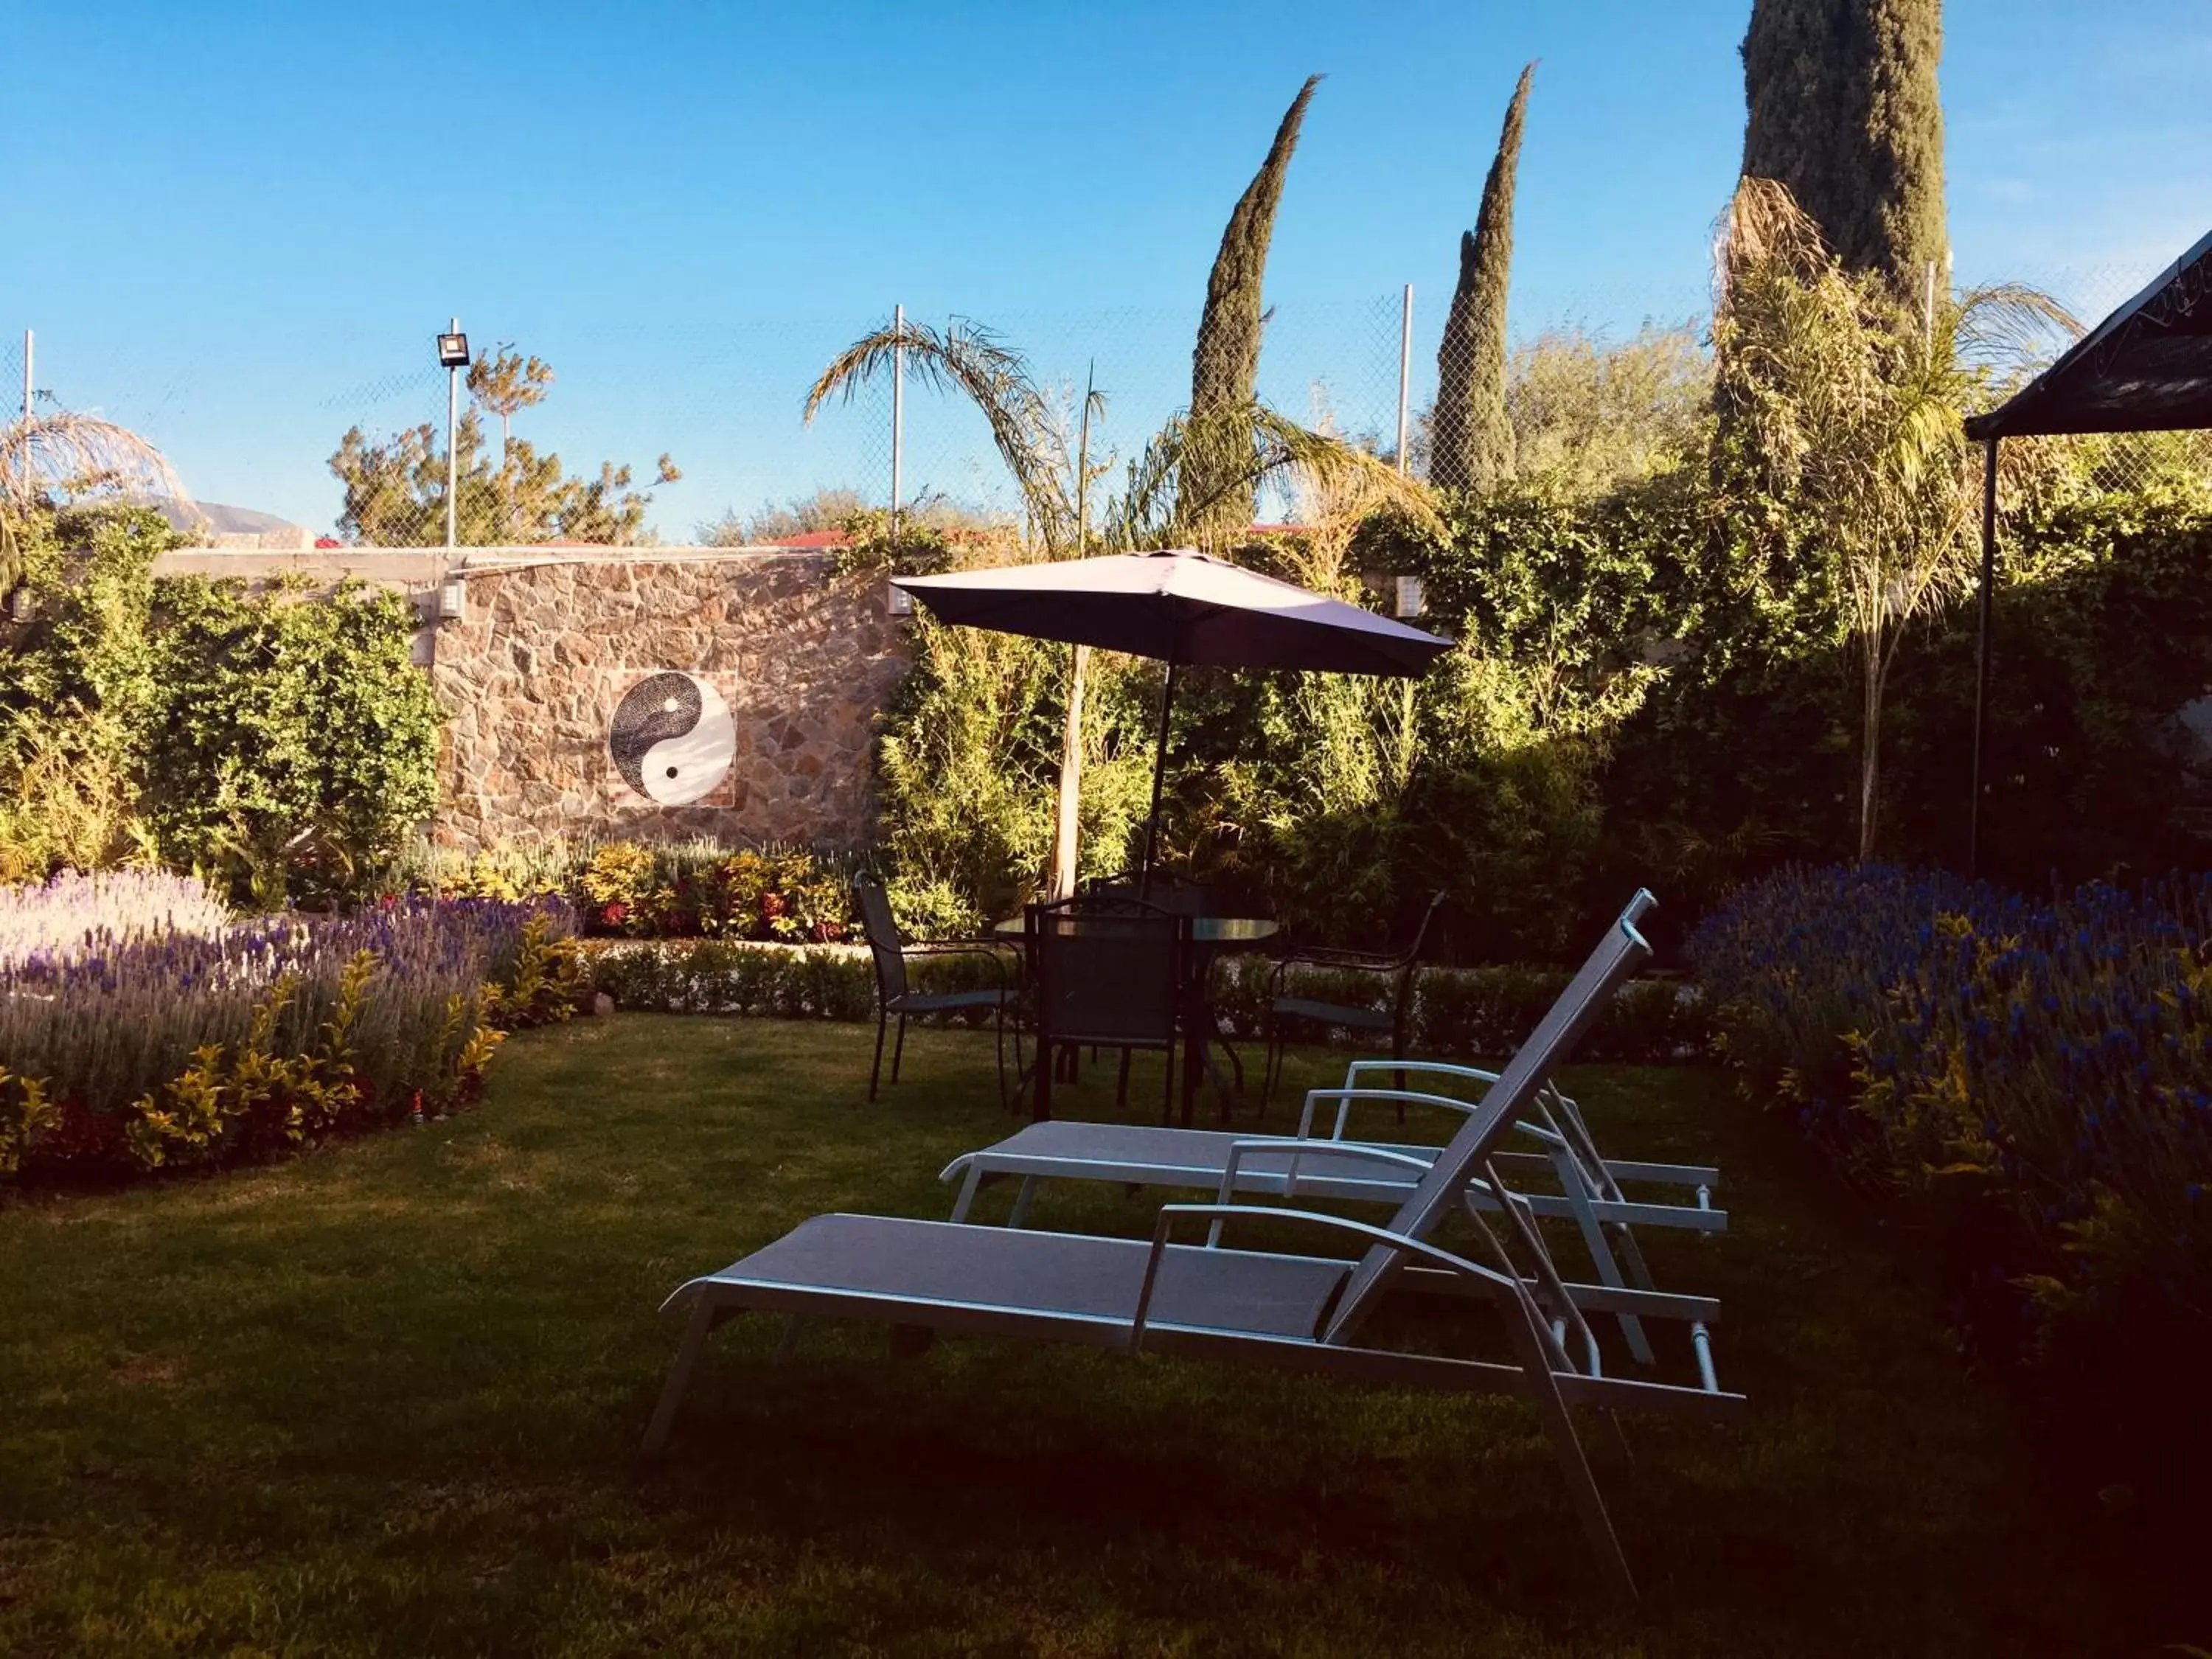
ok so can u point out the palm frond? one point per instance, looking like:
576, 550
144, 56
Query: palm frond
2009, 328
1196, 465
70, 452
970, 359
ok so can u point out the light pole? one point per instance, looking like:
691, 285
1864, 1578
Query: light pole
453, 357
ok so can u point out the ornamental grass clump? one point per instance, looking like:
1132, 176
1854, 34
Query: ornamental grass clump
74, 915
177, 1049
2035, 1079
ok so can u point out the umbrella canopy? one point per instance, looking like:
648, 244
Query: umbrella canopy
1185, 608
1182, 607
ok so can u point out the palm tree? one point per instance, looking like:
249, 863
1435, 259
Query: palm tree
1031, 438
1849, 407
66, 451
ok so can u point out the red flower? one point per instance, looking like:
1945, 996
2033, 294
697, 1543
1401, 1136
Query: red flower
615, 913
772, 905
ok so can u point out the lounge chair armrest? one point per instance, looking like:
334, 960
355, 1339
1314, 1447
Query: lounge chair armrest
1276, 1144
1170, 1213
1345, 1096
1434, 1067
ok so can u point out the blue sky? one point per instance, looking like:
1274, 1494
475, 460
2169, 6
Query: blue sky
248, 220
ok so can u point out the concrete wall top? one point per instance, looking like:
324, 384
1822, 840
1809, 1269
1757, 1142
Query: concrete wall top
411, 569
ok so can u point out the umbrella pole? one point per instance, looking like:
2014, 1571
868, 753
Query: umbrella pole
1982, 657
1159, 774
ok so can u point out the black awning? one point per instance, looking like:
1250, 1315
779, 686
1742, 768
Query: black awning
2147, 367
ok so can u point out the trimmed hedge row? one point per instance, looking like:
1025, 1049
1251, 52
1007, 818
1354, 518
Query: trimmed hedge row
1458, 1011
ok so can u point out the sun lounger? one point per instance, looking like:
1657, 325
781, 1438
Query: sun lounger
1310, 1166
1292, 1312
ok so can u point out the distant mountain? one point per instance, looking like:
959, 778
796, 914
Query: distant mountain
235, 526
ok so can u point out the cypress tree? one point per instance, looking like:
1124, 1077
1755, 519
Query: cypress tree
1225, 366
1843, 111
1472, 436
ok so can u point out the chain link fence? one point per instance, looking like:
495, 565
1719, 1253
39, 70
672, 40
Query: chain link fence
257, 432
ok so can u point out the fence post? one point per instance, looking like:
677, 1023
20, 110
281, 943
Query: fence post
1404, 371
899, 407
453, 418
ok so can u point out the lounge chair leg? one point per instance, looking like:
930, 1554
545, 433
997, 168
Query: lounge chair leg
1582, 1486
1594, 1239
1020, 1217
1121, 1081
969, 1186
788, 1343
999, 1037
679, 1378
876, 1071
898, 1048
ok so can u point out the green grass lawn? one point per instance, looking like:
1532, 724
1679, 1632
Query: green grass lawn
385, 1400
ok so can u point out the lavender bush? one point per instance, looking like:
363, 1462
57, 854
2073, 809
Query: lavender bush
74, 915
174, 1047
2038, 1075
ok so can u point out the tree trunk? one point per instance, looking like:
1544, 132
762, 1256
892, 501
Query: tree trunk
1871, 747
1066, 820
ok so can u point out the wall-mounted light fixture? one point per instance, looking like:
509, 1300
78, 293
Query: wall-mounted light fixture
1410, 597
897, 600
454, 600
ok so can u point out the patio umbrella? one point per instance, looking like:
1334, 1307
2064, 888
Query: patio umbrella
1184, 608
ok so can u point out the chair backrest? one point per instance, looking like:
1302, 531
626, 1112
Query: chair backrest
1618, 955
1169, 893
882, 929
1412, 960
1428, 926
1108, 970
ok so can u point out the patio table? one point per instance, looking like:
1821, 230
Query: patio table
1211, 937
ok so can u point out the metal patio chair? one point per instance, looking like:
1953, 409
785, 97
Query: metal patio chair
1107, 971
1389, 1020
1299, 1313
1183, 898
895, 993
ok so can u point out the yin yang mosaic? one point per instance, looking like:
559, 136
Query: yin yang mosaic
671, 738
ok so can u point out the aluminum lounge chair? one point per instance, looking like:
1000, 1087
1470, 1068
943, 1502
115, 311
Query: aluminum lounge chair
1303, 1313
1293, 1167
1333, 1167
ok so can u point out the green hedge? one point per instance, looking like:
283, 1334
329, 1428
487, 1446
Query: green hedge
1458, 1011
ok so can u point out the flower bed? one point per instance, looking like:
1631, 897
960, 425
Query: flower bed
678, 890
176, 1049
2034, 1081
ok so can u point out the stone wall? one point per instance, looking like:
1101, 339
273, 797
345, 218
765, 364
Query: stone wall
656, 698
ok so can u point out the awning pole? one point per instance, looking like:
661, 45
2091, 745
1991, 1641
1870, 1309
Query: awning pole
1982, 651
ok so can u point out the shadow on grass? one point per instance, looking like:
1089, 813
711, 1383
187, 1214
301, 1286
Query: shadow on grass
385, 1400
